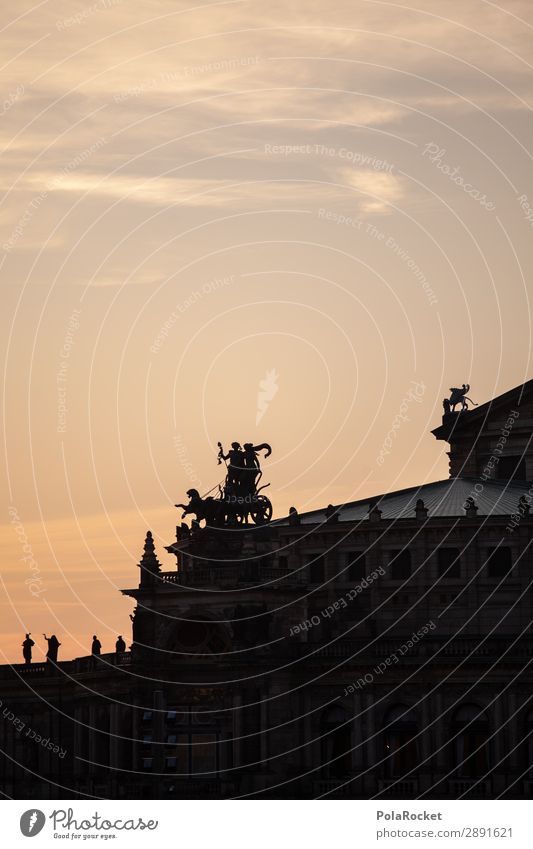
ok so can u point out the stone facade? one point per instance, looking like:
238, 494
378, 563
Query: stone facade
380, 648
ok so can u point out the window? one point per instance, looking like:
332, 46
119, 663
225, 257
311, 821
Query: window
147, 739
147, 716
204, 753
511, 468
356, 563
399, 741
316, 570
191, 753
449, 562
499, 561
182, 754
171, 716
335, 743
147, 764
470, 728
400, 565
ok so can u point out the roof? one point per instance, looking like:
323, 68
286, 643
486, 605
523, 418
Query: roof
441, 498
462, 418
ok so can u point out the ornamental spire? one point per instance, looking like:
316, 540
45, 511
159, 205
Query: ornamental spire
149, 561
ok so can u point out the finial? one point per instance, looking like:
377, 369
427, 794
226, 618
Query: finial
421, 511
470, 507
374, 513
331, 513
149, 561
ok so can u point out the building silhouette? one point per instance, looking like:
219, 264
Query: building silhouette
380, 648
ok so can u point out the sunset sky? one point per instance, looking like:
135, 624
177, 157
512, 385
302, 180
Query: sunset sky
268, 222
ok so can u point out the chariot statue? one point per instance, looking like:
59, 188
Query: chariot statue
240, 497
458, 396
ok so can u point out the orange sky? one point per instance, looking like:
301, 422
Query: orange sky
239, 220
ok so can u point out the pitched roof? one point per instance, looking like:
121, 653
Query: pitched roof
442, 498
513, 397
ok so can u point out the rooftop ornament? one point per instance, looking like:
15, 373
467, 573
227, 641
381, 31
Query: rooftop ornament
239, 499
470, 507
458, 396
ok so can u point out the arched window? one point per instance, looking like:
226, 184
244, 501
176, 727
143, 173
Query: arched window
336, 743
449, 561
400, 729
499, 561
400, 565
470, 730
317, 573
511, 468
356, 562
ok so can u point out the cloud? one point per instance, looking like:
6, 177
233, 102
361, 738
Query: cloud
379, 191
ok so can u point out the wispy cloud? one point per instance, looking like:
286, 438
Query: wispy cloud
379, 191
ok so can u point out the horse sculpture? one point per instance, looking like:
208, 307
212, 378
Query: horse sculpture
240, 499
210, 509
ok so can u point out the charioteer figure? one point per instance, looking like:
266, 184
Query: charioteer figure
236, 462
239, 498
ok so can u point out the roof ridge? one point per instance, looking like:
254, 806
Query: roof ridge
500, 483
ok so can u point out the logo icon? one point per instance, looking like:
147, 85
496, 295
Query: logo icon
268, 387
32, 822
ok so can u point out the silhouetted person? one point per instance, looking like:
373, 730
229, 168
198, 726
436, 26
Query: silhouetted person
27, 646
53, 647
120, 645
236, 463
96, 647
